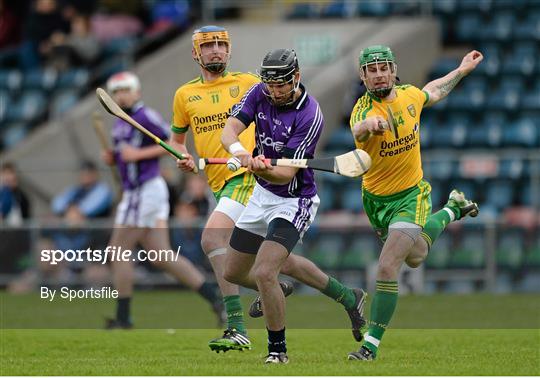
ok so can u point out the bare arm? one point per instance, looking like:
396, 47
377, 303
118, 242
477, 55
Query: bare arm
233, 128
440, 88
178, 142
370, 126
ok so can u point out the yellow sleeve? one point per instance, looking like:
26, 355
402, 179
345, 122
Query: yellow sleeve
180, 121
422, 97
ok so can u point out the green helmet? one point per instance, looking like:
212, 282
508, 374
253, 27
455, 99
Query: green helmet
376, 53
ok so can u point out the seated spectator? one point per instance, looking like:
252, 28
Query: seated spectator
90, 197
14, 204
79, 48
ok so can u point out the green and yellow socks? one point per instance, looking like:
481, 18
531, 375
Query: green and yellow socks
437, 223
235, 315
382, 308
340, 293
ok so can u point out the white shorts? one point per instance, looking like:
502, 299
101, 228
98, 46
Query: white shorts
230, 208
145, 205
264, 206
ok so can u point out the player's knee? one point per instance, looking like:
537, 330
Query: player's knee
264, 275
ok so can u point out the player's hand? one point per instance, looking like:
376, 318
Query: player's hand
373, 125
470, 61
259, 164
107, 157
187, 164
129, 154
244, 157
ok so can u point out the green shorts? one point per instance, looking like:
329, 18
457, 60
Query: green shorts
238, 188
412, 205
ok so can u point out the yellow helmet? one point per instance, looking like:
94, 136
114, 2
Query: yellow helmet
208, 34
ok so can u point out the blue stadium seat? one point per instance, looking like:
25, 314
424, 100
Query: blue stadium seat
378, 8
327, 195
174, 11
453, 133
10, 79
303, 10
510, 5
438, 197
5, 104
521, 59
76, 78
466, 186
13, 133
40, 79
439, 169
467, 26
112, 66
531, 99
352, 198
443, 66
63, 101
507, 95
466, 6
478, 136
119, 46
499, 27
524, 133
338, 9
426, 135
469, 96
445, 7
492, 59
499, 193
512, 169
529, 29
341, 140
495, 122
30, 107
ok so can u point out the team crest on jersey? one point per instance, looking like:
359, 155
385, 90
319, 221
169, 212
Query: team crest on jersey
412, 110
234, 91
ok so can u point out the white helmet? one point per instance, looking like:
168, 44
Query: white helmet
123, 80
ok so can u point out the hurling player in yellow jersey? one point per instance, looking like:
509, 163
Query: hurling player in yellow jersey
204, 105
385, 123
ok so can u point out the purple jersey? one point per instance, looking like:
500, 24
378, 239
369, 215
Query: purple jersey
284, 132
134, 174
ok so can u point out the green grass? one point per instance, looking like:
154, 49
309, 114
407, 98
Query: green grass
312, 352
495, 335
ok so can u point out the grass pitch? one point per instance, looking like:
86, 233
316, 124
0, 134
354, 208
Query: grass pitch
320, 351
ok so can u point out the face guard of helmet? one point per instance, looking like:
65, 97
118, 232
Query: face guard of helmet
378, 70
281, 76
125, 89
212, 48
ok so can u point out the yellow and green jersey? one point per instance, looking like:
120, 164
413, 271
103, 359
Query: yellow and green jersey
396, 163
204, 107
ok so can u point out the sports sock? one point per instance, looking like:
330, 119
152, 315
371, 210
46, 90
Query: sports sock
436, 224
382, 309
123, 313
235, 315
208, 292
276, 341
340, 293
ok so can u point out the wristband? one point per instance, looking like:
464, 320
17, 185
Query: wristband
236, 147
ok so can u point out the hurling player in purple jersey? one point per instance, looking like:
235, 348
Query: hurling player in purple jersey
142, 214
288, 124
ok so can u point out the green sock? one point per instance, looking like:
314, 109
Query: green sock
341, 293
235, 315
435, 226
382, 308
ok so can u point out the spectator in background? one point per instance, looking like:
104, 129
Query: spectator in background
90, 197
11, 14
79, 48
14, 204
44, 20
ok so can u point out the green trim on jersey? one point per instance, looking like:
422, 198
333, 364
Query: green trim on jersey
427, 96
197, 79
179, 130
